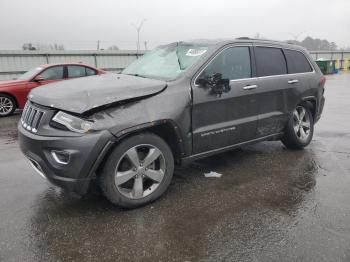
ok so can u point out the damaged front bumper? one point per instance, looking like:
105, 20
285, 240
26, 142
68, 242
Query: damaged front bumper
68, 162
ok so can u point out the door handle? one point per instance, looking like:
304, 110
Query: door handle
293, 81
249, 87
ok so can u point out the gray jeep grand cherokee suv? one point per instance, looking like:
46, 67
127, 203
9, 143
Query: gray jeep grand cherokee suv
177, 103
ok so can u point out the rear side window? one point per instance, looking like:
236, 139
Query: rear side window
270, 61
76, 71
297, 62
232, 63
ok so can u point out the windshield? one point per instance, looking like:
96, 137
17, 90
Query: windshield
166, 62
30, 74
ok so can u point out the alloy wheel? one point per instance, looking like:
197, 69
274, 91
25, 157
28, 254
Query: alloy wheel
6, 105
140, 171
301, 123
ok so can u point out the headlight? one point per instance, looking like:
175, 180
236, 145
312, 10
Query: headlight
73, 123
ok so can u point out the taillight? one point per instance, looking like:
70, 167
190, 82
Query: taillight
322, 81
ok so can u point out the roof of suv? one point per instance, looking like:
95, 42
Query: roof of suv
242, 40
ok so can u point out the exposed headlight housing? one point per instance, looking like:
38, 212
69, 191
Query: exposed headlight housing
73, 123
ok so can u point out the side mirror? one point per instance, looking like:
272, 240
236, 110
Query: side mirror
202, 82
222, 85
216, 83
39, 78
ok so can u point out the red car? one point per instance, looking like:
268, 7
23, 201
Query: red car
13, 93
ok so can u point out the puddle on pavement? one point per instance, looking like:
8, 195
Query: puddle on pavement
9, 137
8, 129
259, 187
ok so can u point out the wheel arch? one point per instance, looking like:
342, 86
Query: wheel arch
166, 129
311, 101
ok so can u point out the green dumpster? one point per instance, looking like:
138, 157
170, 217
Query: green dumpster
327, 66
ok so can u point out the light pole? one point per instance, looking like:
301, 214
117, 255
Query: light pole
138, 29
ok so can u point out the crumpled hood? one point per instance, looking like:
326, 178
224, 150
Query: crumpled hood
83, 94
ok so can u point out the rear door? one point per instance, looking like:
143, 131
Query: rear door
273, 89
220, 120
299, 72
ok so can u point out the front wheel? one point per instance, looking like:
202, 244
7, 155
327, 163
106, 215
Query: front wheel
138, 171
7, 105
300, 128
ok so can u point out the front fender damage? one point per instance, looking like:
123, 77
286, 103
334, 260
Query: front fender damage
147, 113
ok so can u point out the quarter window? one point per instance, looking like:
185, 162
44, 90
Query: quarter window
232, 63
53, 73
297, 62
90, 72
270, 61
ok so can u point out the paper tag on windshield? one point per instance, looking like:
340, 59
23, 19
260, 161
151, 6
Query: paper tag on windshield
195, 52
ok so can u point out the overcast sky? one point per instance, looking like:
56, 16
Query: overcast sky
78, 24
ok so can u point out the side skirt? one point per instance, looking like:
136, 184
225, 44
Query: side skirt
191, 158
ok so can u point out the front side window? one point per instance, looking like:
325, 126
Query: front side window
297, 62
167, 62
76, 71
270, 61
232, 63
53, 73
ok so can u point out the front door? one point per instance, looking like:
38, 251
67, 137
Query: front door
225, 110
49, 75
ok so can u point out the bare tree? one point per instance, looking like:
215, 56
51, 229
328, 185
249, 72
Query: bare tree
28, 46
113, 47
41, 46
315, 44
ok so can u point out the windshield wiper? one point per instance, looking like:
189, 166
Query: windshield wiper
177, 54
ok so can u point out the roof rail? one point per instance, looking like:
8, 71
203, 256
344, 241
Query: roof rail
263, 40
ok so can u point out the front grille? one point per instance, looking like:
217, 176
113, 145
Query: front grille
31, 117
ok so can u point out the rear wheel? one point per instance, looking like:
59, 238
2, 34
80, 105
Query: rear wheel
7, 105
138, 171
300, 128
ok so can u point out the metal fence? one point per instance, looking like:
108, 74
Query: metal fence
341, 56
14, 63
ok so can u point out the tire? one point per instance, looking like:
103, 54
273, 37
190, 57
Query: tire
300, 128
7, 105
129, 170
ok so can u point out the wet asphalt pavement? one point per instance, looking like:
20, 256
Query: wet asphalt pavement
271, 204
